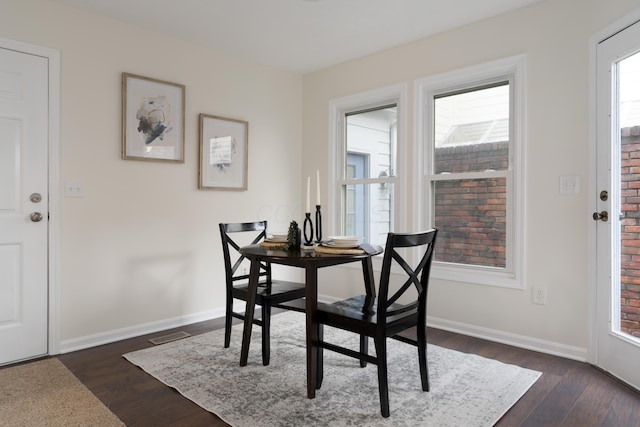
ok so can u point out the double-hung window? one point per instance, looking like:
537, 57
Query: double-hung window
472, 184
367, 155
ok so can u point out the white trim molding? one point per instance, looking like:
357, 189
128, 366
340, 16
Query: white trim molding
515, 340
94, 340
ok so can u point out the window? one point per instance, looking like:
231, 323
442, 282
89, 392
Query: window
471, 136
366, 160
470, 154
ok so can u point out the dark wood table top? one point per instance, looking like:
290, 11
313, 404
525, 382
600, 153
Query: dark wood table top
303, 257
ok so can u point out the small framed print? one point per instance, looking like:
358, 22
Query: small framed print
152, 119
223, 153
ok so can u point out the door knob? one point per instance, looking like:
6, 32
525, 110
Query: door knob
36, 217
602, 216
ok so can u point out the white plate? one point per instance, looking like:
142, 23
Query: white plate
274, 240
278, 236
340, 245
346, 240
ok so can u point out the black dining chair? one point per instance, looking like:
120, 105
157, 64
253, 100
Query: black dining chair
395, 309
271, 293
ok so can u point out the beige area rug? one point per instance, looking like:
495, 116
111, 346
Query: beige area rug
466, 390
46, 393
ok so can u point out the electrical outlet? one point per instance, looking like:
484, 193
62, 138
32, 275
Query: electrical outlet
539, 295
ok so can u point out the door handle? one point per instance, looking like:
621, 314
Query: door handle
36, 217
602, 216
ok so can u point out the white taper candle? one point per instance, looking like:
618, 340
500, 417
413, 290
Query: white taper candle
308, 194
317, 187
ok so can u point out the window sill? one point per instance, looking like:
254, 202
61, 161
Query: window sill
476, 276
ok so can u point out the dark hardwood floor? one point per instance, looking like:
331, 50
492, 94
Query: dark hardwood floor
568, 393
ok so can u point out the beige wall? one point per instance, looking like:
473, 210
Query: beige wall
143, 245
554, 35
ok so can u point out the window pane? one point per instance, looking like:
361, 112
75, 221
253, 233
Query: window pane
470, 216
472, 130
628, 293
368, 211
372, 133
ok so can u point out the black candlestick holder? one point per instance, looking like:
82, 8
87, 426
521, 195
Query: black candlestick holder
318, 224
308, 224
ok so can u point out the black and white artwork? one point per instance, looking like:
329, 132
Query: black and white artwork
152, 119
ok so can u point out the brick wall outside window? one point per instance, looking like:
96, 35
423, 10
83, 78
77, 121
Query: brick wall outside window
471, 214
630, 232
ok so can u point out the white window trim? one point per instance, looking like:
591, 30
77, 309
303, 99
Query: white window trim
337, 108
424, 90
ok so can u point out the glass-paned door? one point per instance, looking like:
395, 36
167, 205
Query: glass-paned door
618, 215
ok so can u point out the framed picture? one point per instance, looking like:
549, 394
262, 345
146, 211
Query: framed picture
152, 119
223, 153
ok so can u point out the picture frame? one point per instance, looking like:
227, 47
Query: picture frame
224, 149
152, 119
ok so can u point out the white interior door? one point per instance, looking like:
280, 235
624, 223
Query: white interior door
618, 205
23, 206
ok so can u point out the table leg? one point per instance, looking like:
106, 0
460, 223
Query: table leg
311, 296
369, 282
252, 289
370, 288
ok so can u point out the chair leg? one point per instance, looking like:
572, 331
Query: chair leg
266, 339
228, 320
320, 358
422, 357
383, 384
364, 349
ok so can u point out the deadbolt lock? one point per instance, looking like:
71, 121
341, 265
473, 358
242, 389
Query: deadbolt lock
604, 195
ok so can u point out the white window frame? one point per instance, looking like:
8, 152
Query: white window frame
395, 94
512, 69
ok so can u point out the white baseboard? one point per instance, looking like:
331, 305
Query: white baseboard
89, 341
548, 347
521, 341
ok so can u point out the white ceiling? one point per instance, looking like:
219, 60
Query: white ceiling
299, 35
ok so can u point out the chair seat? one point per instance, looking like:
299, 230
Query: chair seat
277, 287
283, 294
360, 310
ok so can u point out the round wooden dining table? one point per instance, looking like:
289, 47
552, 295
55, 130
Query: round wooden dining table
310, 260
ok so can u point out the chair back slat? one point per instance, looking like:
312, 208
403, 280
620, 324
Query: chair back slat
417, 277
233, 259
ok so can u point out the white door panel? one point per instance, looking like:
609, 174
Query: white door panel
617, 266
23, 176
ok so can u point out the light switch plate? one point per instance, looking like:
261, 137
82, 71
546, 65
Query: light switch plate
569, 184
73, 189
